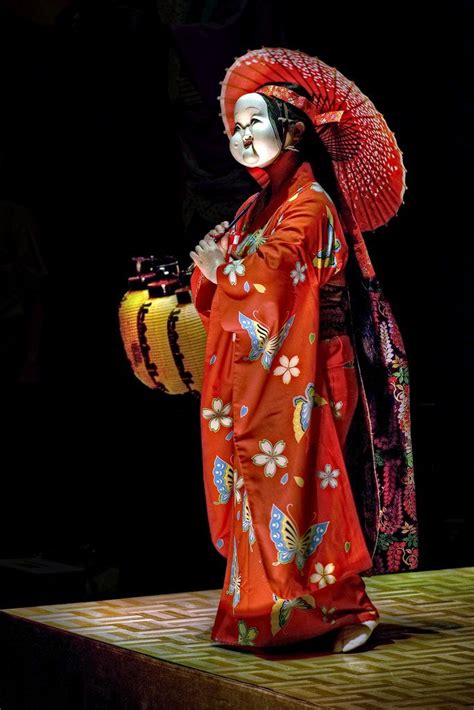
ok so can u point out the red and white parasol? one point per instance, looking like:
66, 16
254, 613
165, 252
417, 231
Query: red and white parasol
367, 160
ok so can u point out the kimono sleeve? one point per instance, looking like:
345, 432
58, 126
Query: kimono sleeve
328, 250
267, 281
202, 291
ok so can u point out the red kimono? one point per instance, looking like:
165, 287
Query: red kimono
276, 404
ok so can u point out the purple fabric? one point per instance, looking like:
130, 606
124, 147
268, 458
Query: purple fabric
379, 449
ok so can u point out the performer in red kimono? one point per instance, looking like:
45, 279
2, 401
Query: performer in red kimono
282, 383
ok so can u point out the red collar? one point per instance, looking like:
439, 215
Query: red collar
301, 176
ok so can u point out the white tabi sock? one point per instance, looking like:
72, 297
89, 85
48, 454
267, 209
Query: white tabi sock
354, 635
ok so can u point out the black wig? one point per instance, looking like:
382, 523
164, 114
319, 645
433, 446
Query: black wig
311, 146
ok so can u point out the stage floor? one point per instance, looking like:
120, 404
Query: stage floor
421, 654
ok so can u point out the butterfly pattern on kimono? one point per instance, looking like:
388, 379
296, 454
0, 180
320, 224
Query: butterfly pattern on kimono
235, 578
247, 525
247, 635
226, 480
262, 344
289, 543
327, 255
251, 242
303, 405
282, 610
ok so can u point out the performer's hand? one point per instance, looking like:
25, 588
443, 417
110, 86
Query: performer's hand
208, 256
223, 242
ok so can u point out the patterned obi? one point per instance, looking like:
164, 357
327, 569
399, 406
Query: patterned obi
334, 311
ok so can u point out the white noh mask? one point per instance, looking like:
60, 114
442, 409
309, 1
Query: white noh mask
254, 142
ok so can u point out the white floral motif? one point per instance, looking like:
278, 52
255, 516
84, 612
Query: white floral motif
218, 415
287, 368
297, 273
271, 456
325, 612
336, 407
238, 482
329, 476
322, 577
234, 268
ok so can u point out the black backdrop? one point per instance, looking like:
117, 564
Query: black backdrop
111, 146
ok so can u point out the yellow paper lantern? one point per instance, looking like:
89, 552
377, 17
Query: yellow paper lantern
163, 335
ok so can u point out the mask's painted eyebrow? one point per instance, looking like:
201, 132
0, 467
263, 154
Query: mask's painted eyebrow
256, 112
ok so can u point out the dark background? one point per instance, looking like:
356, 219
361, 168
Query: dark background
111, 146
